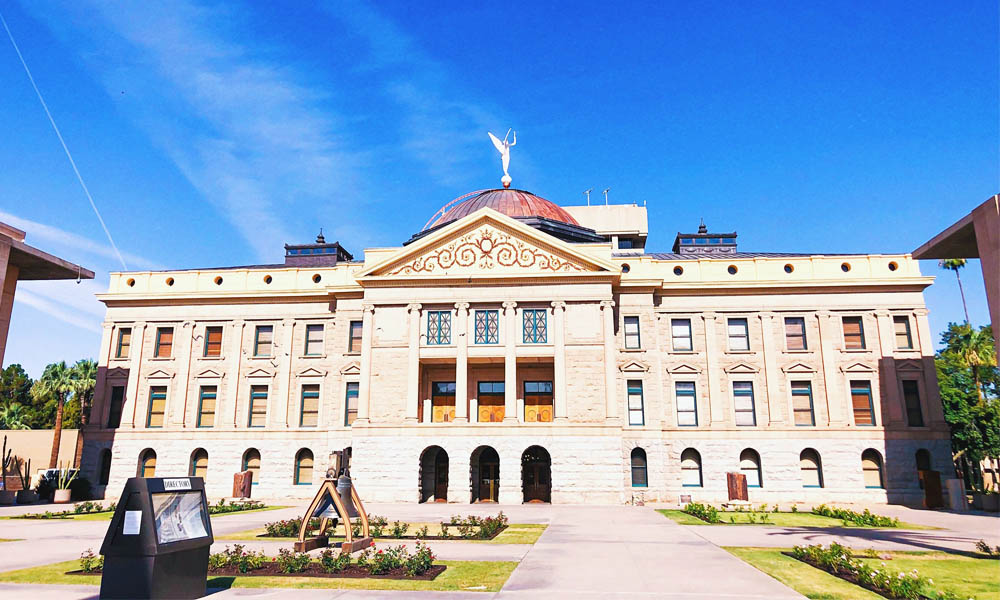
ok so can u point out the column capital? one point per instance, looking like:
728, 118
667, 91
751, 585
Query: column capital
767, 315
607, 304
559, 305
462, 306
413, 307
921, 312
368, 308
883, 314
510, 304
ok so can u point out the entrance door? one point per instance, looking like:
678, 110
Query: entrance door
536, 475
491, 401
443, 402
489, 476
441, 477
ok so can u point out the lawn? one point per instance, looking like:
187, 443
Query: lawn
481, 576
518, 533
106, 515
966, 576
779, 519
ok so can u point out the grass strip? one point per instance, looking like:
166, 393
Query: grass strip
779, 519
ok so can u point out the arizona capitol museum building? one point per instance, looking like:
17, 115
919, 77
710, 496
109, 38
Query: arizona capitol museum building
513, 350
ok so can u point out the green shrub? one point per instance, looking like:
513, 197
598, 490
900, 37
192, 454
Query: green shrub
863, 519
222, 507
90, 562
287, 527
985, 548
384, 561
705, 512
420, 561
334, 562
422, 532
377, 525
238, 558
364, 559
895, 584
292, 562
398, 529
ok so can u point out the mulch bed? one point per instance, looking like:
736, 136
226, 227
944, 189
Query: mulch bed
407, 537
314, 570
849, 577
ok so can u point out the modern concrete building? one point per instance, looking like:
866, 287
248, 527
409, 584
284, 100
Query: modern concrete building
515, 350
21, 262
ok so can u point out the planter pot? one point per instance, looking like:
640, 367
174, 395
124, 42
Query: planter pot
991, 502
977, 501
61, 496
27, 497
7, 497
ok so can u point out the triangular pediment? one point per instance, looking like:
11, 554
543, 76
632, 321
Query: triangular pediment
351, 368
116, 373
210, 374
159, 374
311, 372
487, 244
684, 369
908, 365
798, 368
858, 367
260, 373
633, 366
741, 367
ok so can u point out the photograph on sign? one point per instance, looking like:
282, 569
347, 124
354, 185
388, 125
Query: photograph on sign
132, 523
178, 516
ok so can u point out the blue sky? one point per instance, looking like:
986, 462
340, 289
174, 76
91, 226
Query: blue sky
210, 134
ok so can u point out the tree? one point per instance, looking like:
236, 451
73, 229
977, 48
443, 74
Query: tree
84, 382
954, 264
13, 416
56, 382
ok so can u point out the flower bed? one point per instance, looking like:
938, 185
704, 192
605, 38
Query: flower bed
896, 585
459, 527
864, 519
705, 512
88, 508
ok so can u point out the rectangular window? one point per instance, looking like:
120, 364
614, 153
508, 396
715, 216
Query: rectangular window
124, 342
258, 406
206, 406
309, 413
213, 341
911, 394
164, 342
680, 332
904, 339
739, 334
354, 341
487, 327
157, 406
802, 403
351, 403
687, 404
442, 402
795, 333
314, 340
534, 326
854, 333
538, 401
117, 403
490, 401
438, 327
262, 339
743, 403
632, 332
635, 407
861, 401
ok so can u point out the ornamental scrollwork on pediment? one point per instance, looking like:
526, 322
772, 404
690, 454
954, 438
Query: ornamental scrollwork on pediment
485, 249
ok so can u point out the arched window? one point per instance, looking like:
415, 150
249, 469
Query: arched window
639, 468
691, 468
105, 467
251, 462
199, 463
812, 471
147, 463
750, 466
871, 464
304, 467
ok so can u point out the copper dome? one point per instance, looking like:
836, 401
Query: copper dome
513, 203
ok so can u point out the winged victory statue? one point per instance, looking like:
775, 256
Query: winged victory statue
503, 147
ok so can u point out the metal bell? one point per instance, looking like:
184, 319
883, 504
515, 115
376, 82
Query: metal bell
344, 490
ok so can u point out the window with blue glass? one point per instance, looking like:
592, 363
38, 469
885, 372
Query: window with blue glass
687, 404
487, 327
635, 403
438, 327
743, 403
535, 326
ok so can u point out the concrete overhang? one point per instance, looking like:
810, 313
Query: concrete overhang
34, 264
958, 241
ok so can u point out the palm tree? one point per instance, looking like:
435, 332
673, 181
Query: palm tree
84, 381
56, 380
954, 264
975, 348
12, 416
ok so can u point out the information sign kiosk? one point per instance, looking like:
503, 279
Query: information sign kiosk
158, 543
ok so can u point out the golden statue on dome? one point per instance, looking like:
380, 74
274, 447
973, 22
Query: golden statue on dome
503, 147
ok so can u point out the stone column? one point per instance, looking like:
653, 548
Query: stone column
365, 381
559, 361
935, 412
100, 405
510, 362
136, 349
230, 404
776, 405
413, 364
610, 368
836, 401
183, 350
892, 411
286, 352
716, 403
462, 363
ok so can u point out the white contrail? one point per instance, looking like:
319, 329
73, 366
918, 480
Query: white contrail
63, 142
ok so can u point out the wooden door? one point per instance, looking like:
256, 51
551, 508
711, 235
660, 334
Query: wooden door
489, 482
538, 409
537, 484
491, 409
441, 477
933, 497
443, 409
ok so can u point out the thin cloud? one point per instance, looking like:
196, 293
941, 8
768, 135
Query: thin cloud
55, 311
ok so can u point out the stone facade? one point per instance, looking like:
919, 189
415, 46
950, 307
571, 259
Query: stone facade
489, 319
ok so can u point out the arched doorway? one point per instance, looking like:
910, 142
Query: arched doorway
434, 475
536, 475
485, 473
